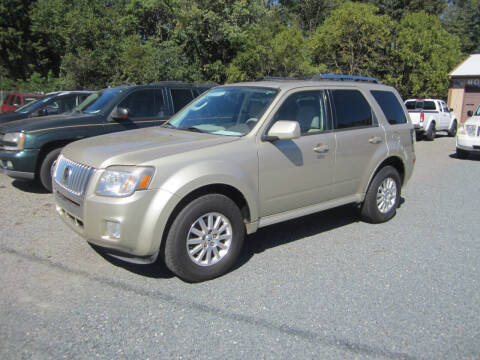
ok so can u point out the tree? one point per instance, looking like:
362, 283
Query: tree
463, 20
354, 40
424, 54
397, 9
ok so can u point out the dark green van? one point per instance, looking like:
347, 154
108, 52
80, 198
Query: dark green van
29, 147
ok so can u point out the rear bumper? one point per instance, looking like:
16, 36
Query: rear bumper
19, 164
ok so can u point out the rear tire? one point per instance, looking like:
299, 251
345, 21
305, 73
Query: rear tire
45, 173
462, 154
453, 130
205, 239
382, 197
430, 135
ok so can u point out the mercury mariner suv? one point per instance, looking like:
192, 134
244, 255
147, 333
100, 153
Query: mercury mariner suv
238, 158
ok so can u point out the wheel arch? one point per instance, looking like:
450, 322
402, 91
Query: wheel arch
46, 148
394, 161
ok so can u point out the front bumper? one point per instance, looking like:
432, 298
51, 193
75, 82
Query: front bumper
19, 164
468, 143
141, 219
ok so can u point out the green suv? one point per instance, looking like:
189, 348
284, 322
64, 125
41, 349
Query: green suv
29, 147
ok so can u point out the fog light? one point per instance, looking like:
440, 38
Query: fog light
113, 229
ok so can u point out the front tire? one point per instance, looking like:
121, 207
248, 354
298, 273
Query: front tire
45, 172
382, 197
453, 130
205, 239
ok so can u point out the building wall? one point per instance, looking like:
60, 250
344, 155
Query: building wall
464, 95
455, 101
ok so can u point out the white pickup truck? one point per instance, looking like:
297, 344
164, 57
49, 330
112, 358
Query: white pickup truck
431, 115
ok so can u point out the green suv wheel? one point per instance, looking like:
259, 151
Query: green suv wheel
45, 173
205, 238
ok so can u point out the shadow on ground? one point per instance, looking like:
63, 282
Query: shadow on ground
264, 239
29, 186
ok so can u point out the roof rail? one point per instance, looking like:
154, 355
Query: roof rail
346, 78
277, 78
170, 82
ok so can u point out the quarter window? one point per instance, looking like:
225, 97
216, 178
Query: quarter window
390, 106
307, 108
351, 109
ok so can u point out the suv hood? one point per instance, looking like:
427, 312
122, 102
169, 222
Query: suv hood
135, 147
474, 120
45, 122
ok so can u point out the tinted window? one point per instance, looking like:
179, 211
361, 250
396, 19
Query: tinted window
141, 103
307, 108
390, 106
180, 97
351, 109
429, 105
66, 103
410, 105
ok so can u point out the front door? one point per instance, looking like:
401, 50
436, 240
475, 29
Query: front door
146, 107
298, 173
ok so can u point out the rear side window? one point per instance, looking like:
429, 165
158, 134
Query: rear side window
390, 106
351, 109
429, 105
180, 98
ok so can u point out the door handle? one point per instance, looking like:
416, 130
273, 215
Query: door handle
375, 140
321, 148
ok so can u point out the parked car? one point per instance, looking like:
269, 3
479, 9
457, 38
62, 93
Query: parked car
468, 136
431, 115
14, 100
28, 148
240, 157
51, 104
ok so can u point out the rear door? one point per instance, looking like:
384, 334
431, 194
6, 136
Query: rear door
360, 141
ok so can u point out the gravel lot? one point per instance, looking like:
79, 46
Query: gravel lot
326, 286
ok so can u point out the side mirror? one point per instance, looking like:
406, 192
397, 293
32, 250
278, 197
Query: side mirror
469, 113
451, 109
283, 130
120, 113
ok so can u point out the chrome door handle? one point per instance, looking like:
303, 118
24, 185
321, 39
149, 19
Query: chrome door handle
321, 148
375, 140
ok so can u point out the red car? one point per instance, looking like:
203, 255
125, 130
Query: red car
14, 100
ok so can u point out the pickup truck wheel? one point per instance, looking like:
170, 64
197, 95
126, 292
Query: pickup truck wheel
382, 197
46, 169
453, 130
205, 239
462, 154
430, 135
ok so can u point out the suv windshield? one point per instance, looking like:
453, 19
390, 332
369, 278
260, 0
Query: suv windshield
95, 102
34, 105
230, 111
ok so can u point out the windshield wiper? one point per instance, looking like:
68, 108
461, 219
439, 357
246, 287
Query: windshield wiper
192, 128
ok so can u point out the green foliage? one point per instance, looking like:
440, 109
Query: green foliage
396, 9
463, 20
353, 40
424, 55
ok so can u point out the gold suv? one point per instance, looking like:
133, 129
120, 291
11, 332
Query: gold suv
238, 158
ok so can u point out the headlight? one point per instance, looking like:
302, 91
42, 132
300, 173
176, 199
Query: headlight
13, 141
121, 181
461, 130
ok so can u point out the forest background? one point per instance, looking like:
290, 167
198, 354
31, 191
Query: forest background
48, 45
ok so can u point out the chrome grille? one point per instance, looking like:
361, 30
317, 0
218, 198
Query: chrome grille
1, 140
72, 176
471, 130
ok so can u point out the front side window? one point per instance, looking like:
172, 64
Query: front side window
141, 104
230, 111
390, 106
97, 101
180, 98
307, 108
351, 109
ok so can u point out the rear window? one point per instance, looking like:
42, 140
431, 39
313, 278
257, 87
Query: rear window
390, 106
425, 105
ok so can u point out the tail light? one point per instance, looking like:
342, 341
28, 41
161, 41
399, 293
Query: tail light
422, 117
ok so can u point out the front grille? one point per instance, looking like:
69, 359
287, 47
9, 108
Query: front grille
471, 130
72, 176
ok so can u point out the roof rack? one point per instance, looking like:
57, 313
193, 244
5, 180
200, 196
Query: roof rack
346, 78
278, 78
